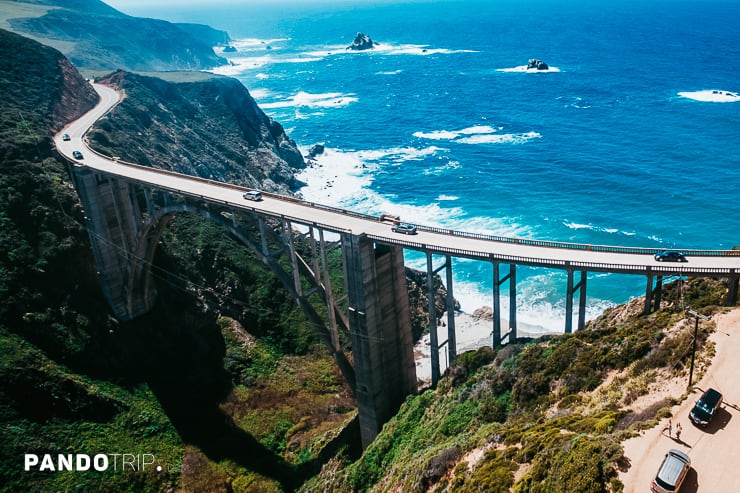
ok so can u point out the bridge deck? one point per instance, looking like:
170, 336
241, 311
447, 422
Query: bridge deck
429, 239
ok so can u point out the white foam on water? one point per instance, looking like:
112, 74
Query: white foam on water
308, 100
500, 138
260, 93
478, 134
599, 229
712, 96
524, 69
387, 49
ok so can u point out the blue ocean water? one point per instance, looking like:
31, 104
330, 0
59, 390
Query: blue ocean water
632, 137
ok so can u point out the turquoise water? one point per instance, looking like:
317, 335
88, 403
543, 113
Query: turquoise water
632, 137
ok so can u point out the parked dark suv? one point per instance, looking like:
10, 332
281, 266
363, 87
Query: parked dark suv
705, 408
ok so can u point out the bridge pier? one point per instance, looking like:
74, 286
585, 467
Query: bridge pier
113, 224
497, 282
570, 292
732, 285
380, 330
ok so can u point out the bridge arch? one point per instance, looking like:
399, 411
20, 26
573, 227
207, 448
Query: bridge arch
141, 285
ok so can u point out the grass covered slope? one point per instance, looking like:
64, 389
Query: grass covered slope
52, 317
223, 383
546, 416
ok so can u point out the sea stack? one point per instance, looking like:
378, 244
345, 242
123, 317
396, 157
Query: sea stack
537, 64
362, 42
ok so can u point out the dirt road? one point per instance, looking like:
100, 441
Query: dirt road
714, 451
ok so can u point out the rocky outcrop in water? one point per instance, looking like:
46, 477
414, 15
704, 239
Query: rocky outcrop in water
537, 64
362, 42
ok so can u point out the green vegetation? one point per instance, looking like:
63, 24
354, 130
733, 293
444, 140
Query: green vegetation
224, 382
527, 409
94, 35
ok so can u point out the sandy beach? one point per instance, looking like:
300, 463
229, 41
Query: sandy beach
471, 333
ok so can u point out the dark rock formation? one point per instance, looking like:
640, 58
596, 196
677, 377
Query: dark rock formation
210, 128
537, 64
315, 150
419, 301
229, 49
362, 42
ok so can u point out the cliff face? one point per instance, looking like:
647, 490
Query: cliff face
212, 129
39, 96
94, 35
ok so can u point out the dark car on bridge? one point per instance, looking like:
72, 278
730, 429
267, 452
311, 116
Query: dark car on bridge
670, 256
706, 407
404, 228
77, 154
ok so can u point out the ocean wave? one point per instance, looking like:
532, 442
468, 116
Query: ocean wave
712, 96
390, 72
598, 229
500, 138
524, 69
308, 100
245, 44
355, 171
261, 93
478, 134
387, 49
448, 197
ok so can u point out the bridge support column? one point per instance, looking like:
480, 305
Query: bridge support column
380, 331
113, 224
570, 292
582, 300
497, 282
732, 285
433, 336
451, 337
648, 293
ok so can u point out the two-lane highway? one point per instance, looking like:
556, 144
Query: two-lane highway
614, 259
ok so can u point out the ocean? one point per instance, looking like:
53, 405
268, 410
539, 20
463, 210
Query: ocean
631, 137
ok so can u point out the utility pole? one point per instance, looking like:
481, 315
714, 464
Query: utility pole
696, 316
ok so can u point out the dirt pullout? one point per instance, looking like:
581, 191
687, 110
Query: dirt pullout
714, 453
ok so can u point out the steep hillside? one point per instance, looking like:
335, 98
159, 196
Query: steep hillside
175, 384
95, 36
545, 417
224, 382
212, 129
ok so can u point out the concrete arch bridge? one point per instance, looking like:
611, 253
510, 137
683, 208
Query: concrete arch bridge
128, 207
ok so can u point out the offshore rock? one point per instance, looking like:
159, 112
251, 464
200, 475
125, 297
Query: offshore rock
537, 64
362, 42
315, 150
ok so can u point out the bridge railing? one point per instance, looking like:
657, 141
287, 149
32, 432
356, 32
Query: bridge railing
420, 227
575, 246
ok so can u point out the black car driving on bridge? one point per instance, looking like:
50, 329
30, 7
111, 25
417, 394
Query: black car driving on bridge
670, 256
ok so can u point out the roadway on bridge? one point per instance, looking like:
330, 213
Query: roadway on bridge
334, 220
